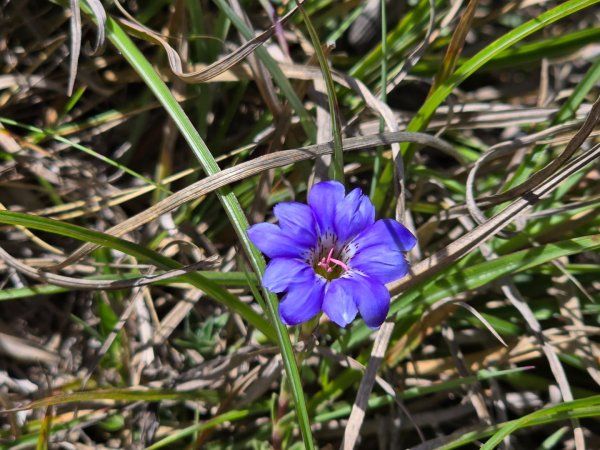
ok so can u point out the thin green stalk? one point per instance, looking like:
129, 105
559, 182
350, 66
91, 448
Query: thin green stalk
84, 149
586, 407
384, 77
337, 168
230, 203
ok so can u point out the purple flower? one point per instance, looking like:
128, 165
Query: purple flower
332, 256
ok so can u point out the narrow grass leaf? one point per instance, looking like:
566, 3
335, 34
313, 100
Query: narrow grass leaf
334, 109
130, 248
230, 203
117, 394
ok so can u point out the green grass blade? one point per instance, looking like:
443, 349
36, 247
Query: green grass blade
84, 149
130, 248
587, 407
230, 203
337, 172
567, 111
223, 279
421, 119
554, 47
230, 416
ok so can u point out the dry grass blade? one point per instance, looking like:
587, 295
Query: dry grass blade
100, 15
245, 170
322, 164
510, 291
359, 408
482, 320
213, 70
83, 284
480, 234
524, 350
489, 228
23, 350
193, 337
503, 149
533, 181
456, 44
75, 44
473, 116
514, 296
75, 25
474, 392
174, 317
414, 57
259, 71
570, 308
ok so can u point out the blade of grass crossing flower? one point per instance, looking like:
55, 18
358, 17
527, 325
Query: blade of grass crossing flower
337, 169
230, 203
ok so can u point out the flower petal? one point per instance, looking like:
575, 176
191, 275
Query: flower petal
297, 220
353, 215
303, 301
283, 272
339, 304
275, 243
380, 263
372, 299
322, 198
388, 233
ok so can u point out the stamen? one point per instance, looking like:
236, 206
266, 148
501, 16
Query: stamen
329, 255
339, 263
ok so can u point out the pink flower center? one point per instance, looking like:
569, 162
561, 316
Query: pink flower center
328, 263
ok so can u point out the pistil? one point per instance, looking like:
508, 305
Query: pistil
325, 263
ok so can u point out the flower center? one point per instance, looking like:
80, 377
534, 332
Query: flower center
330, 267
